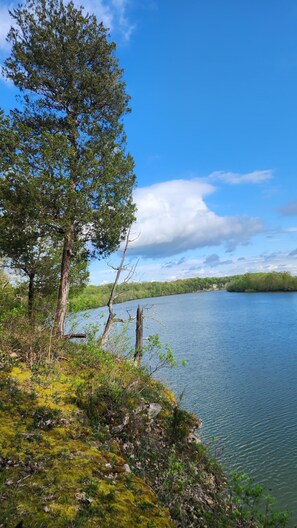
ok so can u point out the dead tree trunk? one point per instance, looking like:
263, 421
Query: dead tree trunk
64, 284
107, 327
139, 336
112, 297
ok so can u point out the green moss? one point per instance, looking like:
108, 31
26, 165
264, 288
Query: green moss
80, 447
55, 472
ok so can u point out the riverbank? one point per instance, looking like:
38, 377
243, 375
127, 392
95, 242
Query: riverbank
88, 438
97, 296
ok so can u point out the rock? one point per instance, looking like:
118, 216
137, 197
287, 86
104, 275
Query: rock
127, 468
153, 410
118, 428
193, 439
140, 408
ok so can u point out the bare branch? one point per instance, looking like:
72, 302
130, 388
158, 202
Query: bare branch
76, 336
112, 317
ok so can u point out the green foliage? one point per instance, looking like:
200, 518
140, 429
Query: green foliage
182, 423
19, 340
29, 251
7, 297
175, 484
95, 296
45, 418
67, 179
4, 280
65, 429
263, 282
119, 340
252, 504
70, 130
156, 356
55, 472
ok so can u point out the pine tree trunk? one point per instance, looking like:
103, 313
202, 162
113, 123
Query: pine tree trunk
31, 293
64, 284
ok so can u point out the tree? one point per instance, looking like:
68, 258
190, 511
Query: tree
71, 134
113, 292
18, 231
25, 245
24, 241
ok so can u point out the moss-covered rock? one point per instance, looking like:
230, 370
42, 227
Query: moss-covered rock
90, 440
54, 471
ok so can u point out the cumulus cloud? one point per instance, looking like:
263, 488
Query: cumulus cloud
289, 209
234, 178
173, 217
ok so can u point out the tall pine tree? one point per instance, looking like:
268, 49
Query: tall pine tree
71, 135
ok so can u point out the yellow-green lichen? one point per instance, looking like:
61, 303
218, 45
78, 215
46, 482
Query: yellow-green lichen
54, 471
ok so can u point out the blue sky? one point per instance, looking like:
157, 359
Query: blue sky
213, 133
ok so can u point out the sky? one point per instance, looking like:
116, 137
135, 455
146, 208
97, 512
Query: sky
213, 132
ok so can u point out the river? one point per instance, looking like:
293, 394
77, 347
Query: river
240, 377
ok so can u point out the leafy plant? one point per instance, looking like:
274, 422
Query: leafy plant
251, 503
158, 356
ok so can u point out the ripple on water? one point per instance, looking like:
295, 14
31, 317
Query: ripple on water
240, 378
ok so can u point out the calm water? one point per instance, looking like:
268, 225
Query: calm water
240, 378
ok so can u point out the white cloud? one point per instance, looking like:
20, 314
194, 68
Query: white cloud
99, 8
120, 14
113, 14
173, 217
6, 22
233, 178
195, 267
290, 230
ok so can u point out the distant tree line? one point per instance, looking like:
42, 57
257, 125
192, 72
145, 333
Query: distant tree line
263, 282
95, 296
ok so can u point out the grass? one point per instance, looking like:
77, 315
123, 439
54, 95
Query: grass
89, 439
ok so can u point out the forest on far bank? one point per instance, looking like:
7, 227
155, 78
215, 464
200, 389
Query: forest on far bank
96, 296
263, 282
